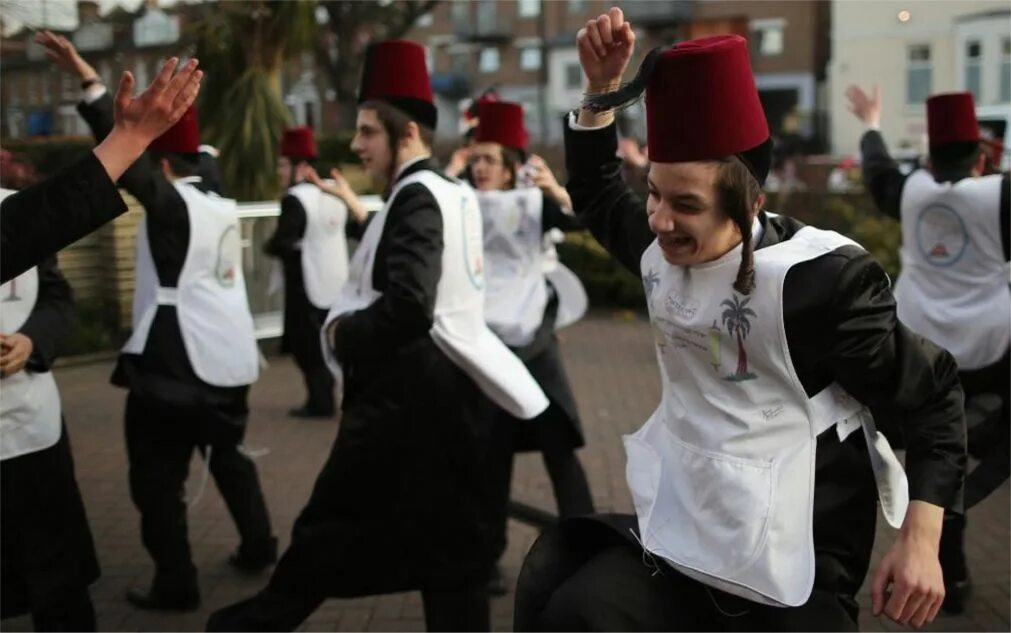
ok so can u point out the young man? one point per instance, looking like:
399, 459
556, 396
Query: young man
754, 481
521, 306
44, 218
48, 557
403, 503
311, 244
191, 358
953, 288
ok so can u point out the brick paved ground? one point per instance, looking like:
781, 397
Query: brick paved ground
612, 368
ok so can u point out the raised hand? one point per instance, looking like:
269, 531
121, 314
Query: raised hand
605, 48
148, 115
61, 52
139, 120
866, 107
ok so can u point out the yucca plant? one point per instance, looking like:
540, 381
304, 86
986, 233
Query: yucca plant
242, 47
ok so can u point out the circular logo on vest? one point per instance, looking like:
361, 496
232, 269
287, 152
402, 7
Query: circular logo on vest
473, 244
941, 235
330, 219
229, 250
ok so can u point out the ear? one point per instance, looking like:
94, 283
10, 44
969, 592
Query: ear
980, 167
166, 168
413, 131
759, 205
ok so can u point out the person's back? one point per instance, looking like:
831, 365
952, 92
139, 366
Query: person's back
953, 288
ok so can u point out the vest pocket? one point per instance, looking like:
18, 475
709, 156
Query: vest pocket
714, 510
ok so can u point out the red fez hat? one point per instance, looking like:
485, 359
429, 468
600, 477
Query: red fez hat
951, 118
395, 72
181, 138
501, 122
298, 142
702, 104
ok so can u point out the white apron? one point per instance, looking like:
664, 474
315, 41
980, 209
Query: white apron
29, 402
459, 329
722, 474
210, 300
515, 294
324, 247
954, 283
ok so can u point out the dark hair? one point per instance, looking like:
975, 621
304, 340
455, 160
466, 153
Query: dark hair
511, 157
954, 159
182, 165
394, 121
737, 190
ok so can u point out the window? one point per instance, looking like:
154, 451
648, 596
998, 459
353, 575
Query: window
460, 11
425, 20
529, 8
577, 6
530, 58
489, 61
573, 76
430, 59
919, 74
1005, 70
973, 68
767, 36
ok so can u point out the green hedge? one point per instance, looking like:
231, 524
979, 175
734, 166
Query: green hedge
50, 155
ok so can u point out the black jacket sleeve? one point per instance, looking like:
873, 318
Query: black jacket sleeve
38, 221
903, 378
881, 173
601, 199
1005, 216
355, 230
290, 228
52, 317
552, 217
144, 180
407, 270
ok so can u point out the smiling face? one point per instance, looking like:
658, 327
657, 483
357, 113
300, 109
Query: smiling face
685, 214
372, 144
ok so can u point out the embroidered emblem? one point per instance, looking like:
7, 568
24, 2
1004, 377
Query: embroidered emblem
228, 255
681, 306
715, 346
735, 319
941, 235
650, 281
331, 220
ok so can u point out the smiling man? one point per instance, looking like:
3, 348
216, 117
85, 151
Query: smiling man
755, 482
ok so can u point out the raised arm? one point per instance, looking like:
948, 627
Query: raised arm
881, 174
600, 198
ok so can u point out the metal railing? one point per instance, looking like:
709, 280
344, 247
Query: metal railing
257, 221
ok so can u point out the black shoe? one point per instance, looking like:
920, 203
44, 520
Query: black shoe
184, 600
497, 584
254, 560
956, 595
305, 412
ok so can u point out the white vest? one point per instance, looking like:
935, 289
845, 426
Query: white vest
954, 283
29, 401
722, 474
210, 299
516, 293
459, 329
324, 248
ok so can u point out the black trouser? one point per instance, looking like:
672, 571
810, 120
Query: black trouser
319, 383
992, 379
463, 609
615, 590
160, 438
568, 479
48, 558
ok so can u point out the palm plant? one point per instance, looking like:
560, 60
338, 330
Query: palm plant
242, 47
735, 319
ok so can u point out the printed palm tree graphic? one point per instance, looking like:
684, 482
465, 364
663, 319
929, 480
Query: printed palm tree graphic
735, 319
